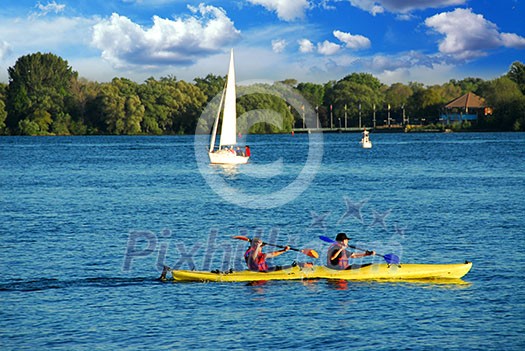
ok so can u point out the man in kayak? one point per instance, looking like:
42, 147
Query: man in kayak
338, 257
256, 259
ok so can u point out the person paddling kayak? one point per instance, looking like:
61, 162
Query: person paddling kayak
256, 259
337, 256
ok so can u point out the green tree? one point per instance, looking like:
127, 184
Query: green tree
154, 97
80, 104
313, 93
517, 75
425, 102
433, 98
211, 85
450, 92
28, 127
3, 115
354, 95
3, 112
398, 94
364, 79
469, 84
39, 85
171, 106
508, 102
290, 82
415, 102
62, 125
187, 102
121, 107
262, 113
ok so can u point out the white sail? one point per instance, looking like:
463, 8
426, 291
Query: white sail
215, 125
229, 120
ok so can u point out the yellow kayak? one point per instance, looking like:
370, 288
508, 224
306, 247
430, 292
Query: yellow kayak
381, 271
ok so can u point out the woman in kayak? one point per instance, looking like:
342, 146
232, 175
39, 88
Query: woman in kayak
256, 259
338, 257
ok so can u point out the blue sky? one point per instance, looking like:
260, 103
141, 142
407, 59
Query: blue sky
428, 41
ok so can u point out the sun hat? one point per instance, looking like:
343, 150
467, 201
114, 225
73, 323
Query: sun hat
341, 237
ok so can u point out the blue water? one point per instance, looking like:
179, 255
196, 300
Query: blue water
87, 223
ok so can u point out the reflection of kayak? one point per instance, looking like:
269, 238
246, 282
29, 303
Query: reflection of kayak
407, 271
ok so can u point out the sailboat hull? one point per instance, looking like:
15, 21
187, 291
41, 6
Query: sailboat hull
226, 157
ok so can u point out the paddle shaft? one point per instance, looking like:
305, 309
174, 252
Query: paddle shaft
390, 258
308, 252
328, 240
358, 248
281, 246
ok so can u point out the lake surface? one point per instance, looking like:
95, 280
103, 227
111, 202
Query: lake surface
87, 223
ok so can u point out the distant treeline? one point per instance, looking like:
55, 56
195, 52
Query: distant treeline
45, 96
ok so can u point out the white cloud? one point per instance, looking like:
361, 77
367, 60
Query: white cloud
438, 74
5, 49
402, 60
287, 10
368, 5
306, 46
96, 69
469, 35
279, 45
180, 41
402, 6
328, 48
56, 34
355, 42
325, 5
512, 40
67, 37
50, 7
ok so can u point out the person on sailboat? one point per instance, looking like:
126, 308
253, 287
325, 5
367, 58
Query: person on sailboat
337, 256
247, 152
256, 259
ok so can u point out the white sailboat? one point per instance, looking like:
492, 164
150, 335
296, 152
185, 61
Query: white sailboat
227, 153
365, 140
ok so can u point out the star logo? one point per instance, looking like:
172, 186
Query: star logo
400, 231
318, 221
379, 218
353, 209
